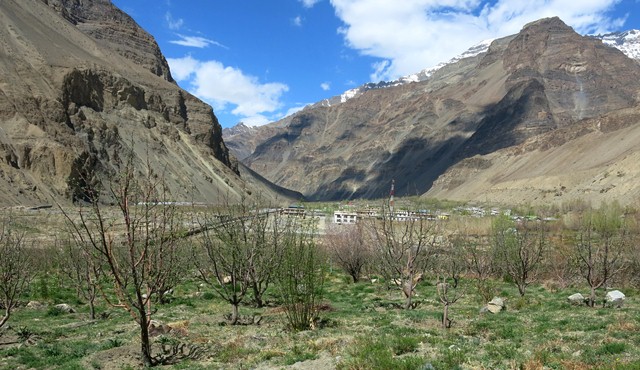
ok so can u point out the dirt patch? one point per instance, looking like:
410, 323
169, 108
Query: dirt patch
115, 358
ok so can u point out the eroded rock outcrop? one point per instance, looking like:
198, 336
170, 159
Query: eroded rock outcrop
83, 86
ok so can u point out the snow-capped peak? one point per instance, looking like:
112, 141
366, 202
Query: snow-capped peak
628, 42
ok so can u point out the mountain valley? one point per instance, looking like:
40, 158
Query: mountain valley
458, 130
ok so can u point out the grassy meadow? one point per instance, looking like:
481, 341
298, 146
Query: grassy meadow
361, 326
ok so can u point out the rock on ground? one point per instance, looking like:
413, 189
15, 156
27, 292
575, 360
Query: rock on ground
615, 298
576, 299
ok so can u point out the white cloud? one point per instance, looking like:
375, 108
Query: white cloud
228, 88
411, 35
174, 24
196, 42
297, 21
295, 109
183, 68
326, 86
256, 120
309, 3
261, 119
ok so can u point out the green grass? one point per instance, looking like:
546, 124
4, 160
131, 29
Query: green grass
363, 329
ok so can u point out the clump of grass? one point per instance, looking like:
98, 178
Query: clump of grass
54, 311
451, 358
207, 296
112, 343
235, 351
402, 345
24, 333
375, 354
299, 354
612, 348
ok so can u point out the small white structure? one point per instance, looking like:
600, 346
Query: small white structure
343, 217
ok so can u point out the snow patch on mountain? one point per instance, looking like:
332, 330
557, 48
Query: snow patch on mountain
628, 42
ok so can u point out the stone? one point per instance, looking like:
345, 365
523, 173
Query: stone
157, 328
614, 298
35, 305
496, 305
576, 299
65, 308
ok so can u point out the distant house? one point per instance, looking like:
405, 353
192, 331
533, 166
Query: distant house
344, 217
293, 210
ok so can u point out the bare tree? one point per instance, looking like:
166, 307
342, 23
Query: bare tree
16, 269
519, 249
270, 235
136, 244
403, 249
478, 258
448, 267
82, 270
349, 248
239, 250
600, 246
448, 295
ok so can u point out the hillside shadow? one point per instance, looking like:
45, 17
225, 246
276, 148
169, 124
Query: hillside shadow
418, 162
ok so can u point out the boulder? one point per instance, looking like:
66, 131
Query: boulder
496, 305
614, 298
35, 305
157, 328
65, 308
576, 299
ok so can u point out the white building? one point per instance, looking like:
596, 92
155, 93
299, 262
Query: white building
343, 217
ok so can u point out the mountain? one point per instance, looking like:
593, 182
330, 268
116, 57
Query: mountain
81, 86
543, 81
628, 42
243, 140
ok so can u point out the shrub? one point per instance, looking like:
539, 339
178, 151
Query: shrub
301, 279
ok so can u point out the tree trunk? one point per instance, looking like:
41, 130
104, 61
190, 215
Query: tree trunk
234, 314
445, 317
592, 297
409, 294
92, 309
257, 296
7, 313
145, 341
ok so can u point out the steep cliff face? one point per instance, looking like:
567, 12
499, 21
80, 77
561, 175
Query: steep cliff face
82, 86
116, 30
545, 78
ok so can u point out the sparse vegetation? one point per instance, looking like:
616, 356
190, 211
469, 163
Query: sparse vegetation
16, 268
340, 323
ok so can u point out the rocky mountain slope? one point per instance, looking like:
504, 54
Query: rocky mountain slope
81, 86
544, 80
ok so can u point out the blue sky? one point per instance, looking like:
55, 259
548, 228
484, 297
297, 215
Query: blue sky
257, 61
